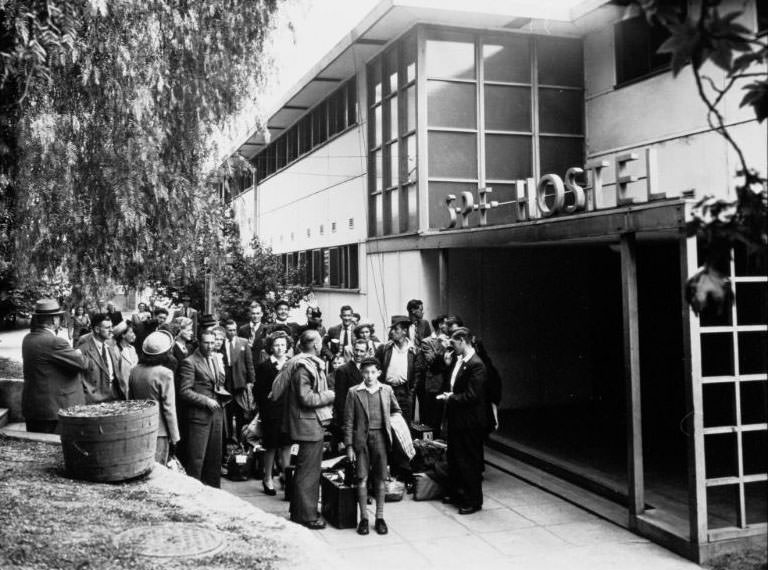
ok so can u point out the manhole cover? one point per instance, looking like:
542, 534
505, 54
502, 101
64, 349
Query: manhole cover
176, 540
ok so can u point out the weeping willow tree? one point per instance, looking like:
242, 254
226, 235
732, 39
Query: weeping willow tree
109, 109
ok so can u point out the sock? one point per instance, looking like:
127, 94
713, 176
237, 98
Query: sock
381, 492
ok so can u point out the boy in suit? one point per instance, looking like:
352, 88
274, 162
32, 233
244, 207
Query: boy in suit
368, 438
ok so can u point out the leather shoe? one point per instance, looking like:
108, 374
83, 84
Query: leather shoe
380, 526
315, 525
362, 527
468, 510
267, 491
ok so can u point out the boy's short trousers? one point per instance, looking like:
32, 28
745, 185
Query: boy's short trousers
373, 457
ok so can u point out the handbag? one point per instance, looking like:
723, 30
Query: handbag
175, 465
425, 488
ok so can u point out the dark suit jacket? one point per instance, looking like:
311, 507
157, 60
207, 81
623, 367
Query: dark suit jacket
52, 376
467, 408
241, 367
115, 317
196, 386
96, 389
356, 415
258, 343
423, 330
415, 364
344, 378
334, 333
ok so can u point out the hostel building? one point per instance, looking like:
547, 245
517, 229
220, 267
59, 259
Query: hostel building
534, 176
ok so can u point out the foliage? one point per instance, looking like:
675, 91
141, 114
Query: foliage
705, 35
255, 276
108, 141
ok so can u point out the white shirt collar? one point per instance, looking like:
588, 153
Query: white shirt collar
372, 390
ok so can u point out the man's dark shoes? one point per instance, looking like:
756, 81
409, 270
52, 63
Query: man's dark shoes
315, 525
362, 527
468, 510
380, 526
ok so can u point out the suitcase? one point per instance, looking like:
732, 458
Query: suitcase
239, 466
422, 431
339, 503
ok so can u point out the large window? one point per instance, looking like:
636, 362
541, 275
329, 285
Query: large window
332, 116
393, 203
328, 267
499, 108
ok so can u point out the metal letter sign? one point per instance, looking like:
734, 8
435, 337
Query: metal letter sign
530, 198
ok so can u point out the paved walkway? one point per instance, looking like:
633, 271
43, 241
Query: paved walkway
520, 526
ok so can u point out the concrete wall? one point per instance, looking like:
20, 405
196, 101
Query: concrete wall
665, 113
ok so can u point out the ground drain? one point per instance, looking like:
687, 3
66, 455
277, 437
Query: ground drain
171, 540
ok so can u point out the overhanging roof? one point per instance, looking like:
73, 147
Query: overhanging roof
388, 20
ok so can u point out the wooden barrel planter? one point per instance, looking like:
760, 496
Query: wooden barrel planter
111, 441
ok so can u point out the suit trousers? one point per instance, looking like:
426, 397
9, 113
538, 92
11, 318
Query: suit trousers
203, 448
306, 482
404, 397
465, 465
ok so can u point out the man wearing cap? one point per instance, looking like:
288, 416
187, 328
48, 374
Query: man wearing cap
202, 412
186, 310
150, 380
52, 368
402, 364
103, 376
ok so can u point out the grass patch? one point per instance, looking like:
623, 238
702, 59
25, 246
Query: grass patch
52, 522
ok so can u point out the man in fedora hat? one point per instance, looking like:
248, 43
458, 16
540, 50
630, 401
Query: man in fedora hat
52, 379
402, 367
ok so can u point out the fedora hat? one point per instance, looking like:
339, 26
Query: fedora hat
397, 319
156, 343
45, 307
208, 320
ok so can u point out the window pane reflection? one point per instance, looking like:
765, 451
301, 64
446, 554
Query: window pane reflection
452, 155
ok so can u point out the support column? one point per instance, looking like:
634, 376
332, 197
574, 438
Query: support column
632, 377
694, 426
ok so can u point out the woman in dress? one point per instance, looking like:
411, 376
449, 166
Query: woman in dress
150, 380
274, 439
124, 337
81, 324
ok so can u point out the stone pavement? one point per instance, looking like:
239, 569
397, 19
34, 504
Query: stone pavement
520, 526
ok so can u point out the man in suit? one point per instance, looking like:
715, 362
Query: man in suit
309, 409
103, 378
340, 337
52, 368
255, 332
187, 311
419, 328
345, 378
467, 423
199, 380
239, 377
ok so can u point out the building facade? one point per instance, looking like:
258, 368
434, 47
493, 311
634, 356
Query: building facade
535, 177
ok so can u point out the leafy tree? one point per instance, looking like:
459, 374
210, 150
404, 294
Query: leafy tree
702, 35
255, 276
108, 113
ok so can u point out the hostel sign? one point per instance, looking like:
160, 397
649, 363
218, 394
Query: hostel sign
547, 197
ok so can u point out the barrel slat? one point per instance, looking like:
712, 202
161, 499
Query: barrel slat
110, 448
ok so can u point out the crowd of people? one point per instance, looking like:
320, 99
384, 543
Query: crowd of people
305, 383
